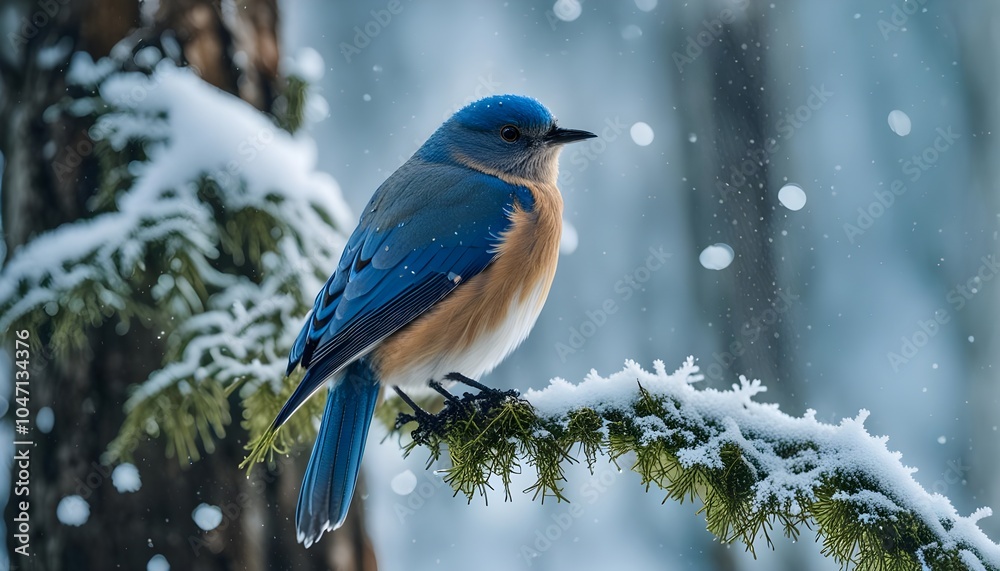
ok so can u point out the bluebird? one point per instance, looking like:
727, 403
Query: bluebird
445, 274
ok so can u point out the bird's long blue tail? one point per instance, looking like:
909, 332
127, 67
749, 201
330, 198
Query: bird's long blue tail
333, 467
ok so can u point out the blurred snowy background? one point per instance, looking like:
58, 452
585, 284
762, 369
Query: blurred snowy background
882, 113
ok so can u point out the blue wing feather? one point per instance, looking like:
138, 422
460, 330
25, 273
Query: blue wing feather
425, 225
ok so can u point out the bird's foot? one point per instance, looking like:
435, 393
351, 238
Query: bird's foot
484, 401
420, 416
460, 378
439, 388
483, 389
456, 408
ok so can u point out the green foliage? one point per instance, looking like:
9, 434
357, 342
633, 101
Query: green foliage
184, 414
261, 405
293, 103
222, 275
862, 523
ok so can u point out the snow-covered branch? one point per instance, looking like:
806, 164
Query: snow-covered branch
752, 466
212, 227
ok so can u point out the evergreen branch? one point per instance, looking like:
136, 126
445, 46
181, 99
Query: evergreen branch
185, 414
261, 405
218, 251
751, 466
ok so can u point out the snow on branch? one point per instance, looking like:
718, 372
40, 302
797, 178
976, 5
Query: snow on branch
209, 225
190, 135
753, 467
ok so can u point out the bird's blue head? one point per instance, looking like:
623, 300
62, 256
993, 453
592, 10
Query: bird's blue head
502, 135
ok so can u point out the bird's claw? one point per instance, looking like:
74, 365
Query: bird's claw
455, 408
483, 401
439, 388
420, 416
483, 389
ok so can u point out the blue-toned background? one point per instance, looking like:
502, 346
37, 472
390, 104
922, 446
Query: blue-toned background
819, 298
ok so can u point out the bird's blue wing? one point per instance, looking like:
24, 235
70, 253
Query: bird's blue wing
427, 230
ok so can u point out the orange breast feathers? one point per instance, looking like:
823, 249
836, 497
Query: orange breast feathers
483, 320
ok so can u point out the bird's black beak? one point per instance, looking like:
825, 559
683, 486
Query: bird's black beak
558, 136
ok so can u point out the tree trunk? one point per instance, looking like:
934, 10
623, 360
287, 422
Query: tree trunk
731, 201
980, 464
733, 197
49, 175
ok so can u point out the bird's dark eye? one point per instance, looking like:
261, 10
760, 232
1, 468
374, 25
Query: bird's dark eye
509, 133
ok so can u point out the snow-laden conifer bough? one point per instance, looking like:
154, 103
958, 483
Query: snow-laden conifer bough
756, 470
198, 191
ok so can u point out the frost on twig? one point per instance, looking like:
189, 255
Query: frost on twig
753, 468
